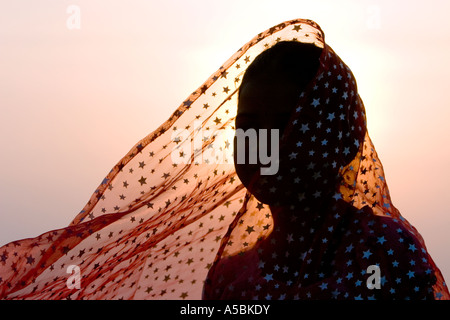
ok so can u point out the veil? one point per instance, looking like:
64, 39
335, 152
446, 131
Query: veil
173, 207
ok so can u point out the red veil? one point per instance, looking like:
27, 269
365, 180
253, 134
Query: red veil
173, 213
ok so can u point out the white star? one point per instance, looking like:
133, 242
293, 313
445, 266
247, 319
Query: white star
367, 254
331, 116
304, 128
268, 277
337, 196
323, 286
315, 102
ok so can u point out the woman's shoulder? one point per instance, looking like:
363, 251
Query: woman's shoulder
397, 249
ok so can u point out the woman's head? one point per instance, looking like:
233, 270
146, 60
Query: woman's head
272, 84
310, 96
270, 91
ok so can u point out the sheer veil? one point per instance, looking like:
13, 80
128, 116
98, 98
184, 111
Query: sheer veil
173, 207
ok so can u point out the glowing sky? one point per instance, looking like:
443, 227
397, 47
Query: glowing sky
74, 101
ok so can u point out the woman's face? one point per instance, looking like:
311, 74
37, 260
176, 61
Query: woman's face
262, 106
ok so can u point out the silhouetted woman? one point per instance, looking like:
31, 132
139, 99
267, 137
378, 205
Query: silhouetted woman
331, 238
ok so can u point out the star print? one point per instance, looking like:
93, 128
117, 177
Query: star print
316, 102
367, 254
250, 229
337, 196
142, 180
304, 128
268, 277
331, 116
323, 286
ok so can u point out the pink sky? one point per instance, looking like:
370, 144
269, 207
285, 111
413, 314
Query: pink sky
73, 102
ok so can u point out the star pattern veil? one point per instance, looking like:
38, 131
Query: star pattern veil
173, 221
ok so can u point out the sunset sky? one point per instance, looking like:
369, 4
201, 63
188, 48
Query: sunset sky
77, 92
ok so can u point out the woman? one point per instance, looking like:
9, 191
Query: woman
332, 218
176, 210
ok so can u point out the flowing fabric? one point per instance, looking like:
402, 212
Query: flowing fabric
173, 221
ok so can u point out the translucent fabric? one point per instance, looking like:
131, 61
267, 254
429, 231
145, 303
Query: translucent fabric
173, 221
